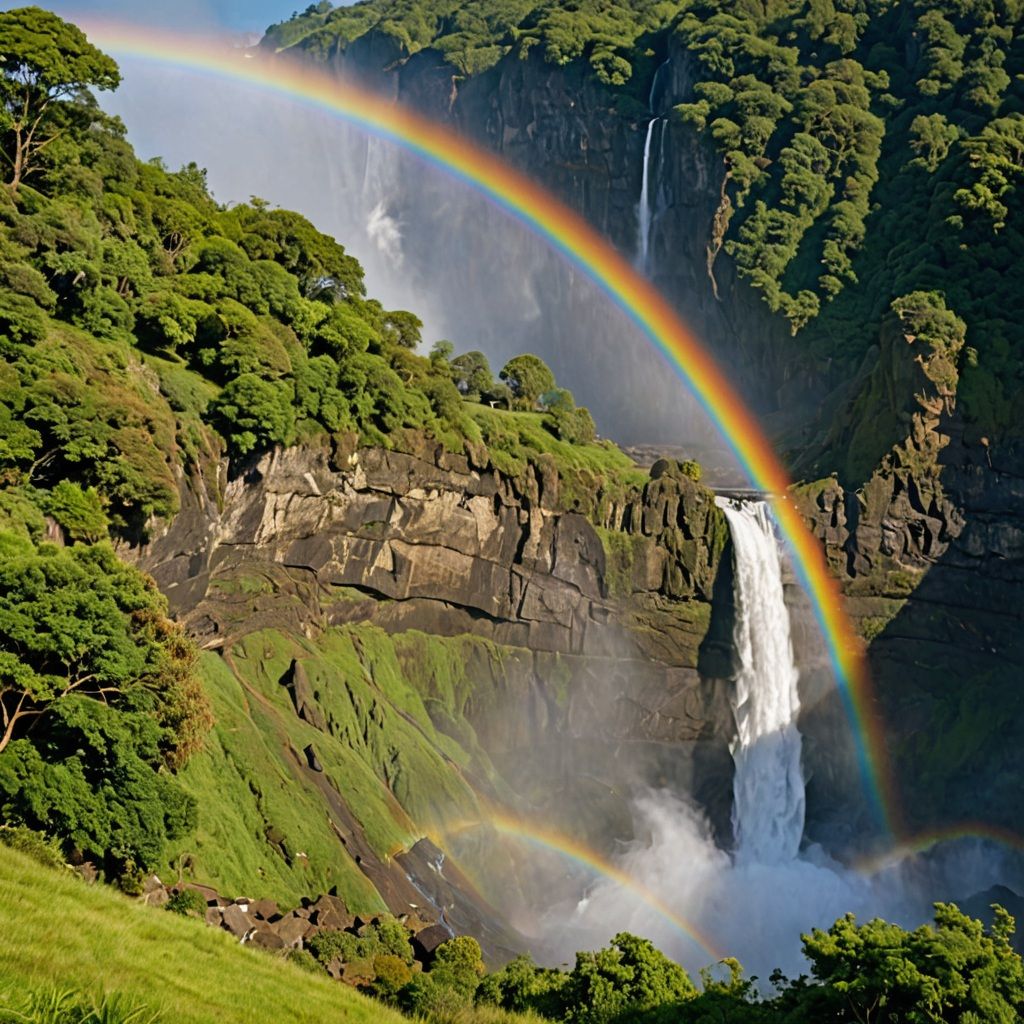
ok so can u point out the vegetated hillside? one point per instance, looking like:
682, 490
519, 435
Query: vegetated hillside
408, 568
79, 954
835, 208
62, 936
871, 149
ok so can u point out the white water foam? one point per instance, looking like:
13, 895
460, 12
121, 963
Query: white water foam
768, 787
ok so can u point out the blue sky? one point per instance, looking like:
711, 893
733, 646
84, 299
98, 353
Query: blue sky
234, 15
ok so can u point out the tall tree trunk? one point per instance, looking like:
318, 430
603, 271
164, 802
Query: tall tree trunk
19, 159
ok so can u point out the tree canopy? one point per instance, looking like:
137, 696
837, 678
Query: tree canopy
44, 60
97, 694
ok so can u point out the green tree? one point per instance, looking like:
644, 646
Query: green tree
521, 986
45, 60
952, 971
997, 162
932, 135
78, 510
76, 620
472, 375
458, 964
402, 328
625, 979
256, 413
98, 698
528, 377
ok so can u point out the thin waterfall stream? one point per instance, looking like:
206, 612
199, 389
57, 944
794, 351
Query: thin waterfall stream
644, 209
768, 788
645, 215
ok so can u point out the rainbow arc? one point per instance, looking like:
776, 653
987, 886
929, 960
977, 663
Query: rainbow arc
594, 864
635, 296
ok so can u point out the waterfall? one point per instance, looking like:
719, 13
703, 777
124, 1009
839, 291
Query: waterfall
644, 208
644, 215
652, 96
768, 787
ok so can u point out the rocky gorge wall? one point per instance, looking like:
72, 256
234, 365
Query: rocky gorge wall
925, 531
930, 553
527, 642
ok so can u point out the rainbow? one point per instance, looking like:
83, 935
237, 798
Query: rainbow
642, 303
922, 842
591, 861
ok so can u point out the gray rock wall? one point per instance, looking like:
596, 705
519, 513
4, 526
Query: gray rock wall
428, 542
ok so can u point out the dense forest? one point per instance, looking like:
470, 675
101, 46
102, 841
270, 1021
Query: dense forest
148, 330
872, 149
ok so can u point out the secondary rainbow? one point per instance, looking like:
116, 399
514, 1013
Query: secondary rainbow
642, 303
921, 842
594, 864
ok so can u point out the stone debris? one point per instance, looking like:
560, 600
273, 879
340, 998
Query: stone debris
261, 923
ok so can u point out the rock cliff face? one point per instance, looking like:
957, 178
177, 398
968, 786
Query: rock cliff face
587, 639
586, 143
926, 531
930, 551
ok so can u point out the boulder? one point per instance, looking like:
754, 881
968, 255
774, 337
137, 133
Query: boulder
236, 920
265, 910
331, 914
293, 929
266, 938
154, 893
425, 943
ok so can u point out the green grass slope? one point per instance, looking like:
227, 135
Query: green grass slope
263, 828
54, 928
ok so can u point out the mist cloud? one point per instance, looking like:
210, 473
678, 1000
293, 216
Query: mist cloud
386, 235
756, 912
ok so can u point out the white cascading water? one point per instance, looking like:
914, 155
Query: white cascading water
644, 208
644, 214
768, 787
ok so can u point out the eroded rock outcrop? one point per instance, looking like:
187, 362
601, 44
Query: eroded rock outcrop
587, 638
930, 552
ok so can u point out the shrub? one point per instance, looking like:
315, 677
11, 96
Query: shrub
388, 937
188, 903
132, 879
392, 974
426, 996
35, 844
78, 510
304, 960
